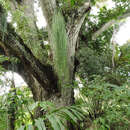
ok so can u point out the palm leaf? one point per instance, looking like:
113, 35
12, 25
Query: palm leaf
55, 125
39, 123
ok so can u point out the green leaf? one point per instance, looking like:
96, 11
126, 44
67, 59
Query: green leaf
40, 124
47, 105
21, 128
30, 127
33, 106
70, 115
59, 121
54, 123
78, 114
72, 2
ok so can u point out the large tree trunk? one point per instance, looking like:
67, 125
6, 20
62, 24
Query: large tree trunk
49, 7
41, 77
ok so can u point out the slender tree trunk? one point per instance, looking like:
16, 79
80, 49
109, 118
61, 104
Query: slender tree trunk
12, 106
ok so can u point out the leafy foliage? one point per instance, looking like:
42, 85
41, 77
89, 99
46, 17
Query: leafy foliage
22, 100
55, 118
3, 115
107, 105
92, 63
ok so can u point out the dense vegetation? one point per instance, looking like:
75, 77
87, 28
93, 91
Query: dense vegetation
101, 70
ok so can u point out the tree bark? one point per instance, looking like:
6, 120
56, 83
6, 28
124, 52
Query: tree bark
41, 77
72, 29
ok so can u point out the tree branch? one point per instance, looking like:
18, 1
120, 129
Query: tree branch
108, 24
74, 26
48, 7
27, 76
33, 34
28, 10
24, 72
13, 42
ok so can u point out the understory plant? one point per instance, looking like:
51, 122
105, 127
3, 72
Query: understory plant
25, 109
107, 105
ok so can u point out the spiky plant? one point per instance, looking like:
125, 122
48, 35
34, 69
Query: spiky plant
59, 45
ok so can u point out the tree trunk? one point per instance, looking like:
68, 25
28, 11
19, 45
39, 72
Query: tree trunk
41, 77
63, 98
12, 106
